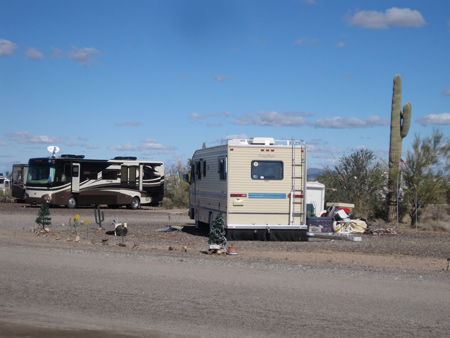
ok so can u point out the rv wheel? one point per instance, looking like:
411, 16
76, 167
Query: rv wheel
71, 203
135, 203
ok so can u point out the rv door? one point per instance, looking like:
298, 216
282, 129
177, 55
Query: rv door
128, 176
75, 177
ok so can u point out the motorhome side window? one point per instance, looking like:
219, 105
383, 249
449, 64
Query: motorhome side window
267, 170
222, 168
198, 173
109, 174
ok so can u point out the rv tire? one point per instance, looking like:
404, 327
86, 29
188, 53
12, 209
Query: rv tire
135, 203
71, 202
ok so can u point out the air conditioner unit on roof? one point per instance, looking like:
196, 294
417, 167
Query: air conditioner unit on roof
263, 141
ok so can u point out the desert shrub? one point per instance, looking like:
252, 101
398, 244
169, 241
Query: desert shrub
176, 190
5, 195
436, 218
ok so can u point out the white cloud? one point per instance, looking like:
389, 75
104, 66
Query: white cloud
7, 47
133, 124
440, 119
84, 56
350, 123
151, 144
273, 119
195, 116
399, 17
340, 44
222, 78
124, 147
33, 54
25, 138
446, 92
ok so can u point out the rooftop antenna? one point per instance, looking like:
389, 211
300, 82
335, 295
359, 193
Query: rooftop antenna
53, 150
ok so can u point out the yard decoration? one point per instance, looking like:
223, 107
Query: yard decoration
76, 223
87, 228
100, 218
122, 233
44, 216
400, 122
217, 233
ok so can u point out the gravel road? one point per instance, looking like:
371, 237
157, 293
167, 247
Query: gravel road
164, 284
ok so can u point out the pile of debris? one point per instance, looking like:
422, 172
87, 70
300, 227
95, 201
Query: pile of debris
385, 231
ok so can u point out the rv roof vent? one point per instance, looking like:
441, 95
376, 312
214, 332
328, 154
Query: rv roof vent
72, 156
129, 158
267, 141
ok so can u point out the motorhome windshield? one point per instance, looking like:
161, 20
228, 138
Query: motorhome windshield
41, 173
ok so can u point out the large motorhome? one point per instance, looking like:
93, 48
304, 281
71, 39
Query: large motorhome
19, 178
74, 181
258, 184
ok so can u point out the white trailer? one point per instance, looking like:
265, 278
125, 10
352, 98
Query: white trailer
258, 184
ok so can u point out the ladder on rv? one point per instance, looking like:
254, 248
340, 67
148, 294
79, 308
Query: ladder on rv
297, 208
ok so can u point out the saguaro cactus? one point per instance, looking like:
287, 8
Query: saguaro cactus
100, 218
400, 122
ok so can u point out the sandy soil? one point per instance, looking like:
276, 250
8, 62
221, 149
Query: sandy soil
410, 250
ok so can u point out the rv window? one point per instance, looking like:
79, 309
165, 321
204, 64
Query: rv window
222, 168
109, 174
204, 168
198, 173
75, 172
267, 170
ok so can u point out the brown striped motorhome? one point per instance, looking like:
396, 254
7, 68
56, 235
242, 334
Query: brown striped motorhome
259, 185
72, 180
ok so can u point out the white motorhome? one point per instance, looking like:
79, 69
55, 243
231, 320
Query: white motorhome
258, 184
5, 183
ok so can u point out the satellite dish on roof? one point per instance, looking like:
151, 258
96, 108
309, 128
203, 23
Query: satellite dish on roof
53, 150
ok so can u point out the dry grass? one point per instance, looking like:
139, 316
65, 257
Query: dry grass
435, 218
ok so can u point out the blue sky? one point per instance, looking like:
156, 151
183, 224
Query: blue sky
156, 79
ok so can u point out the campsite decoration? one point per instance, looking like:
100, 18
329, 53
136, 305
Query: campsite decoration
232, 250
44, 216
100, 218
122, 233
76, 223
400, 122
217, 233
87, 228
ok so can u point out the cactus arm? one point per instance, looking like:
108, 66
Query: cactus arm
406, 119
100, 218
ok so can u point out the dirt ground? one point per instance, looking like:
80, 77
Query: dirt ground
410, 250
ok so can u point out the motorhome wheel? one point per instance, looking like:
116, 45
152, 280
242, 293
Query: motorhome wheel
71, 202
135, 203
